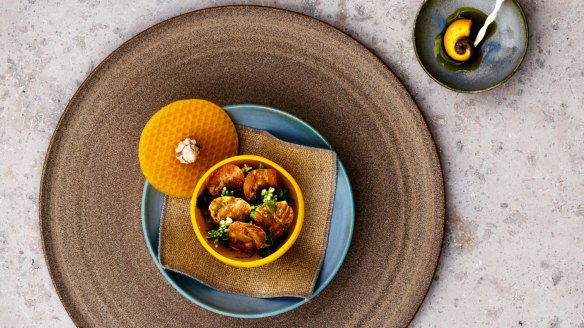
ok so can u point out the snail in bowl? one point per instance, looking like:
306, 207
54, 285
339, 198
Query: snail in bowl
457, 41
454, 47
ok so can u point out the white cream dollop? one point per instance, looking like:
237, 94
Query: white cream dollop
187, 151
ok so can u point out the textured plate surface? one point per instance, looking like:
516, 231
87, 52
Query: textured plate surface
287, 128
92, 185
503, 52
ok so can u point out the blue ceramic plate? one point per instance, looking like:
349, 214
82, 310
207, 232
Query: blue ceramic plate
287, 128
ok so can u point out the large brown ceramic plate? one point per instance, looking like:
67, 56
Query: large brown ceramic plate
92, 185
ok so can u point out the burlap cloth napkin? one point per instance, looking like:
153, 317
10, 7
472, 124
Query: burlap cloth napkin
295, 273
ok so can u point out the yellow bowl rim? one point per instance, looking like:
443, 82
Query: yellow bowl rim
278, 253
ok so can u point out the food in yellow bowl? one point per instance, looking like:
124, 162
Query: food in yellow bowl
247, 211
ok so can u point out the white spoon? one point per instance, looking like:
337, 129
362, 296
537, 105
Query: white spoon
490, 19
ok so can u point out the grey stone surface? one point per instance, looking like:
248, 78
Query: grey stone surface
513, 158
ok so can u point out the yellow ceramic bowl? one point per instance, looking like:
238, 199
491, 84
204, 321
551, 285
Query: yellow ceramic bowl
284, 178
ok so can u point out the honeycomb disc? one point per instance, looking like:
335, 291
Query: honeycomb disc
195, 119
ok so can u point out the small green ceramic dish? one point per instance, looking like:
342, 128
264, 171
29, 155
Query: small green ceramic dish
502, 52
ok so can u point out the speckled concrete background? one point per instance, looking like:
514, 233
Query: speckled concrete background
513, 158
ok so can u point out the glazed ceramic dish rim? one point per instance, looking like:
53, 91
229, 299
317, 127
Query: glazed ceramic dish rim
284, 247
318, 290
515, 69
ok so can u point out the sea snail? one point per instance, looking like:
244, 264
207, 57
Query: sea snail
457, 43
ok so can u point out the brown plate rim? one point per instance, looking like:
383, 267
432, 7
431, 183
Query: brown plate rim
128, 42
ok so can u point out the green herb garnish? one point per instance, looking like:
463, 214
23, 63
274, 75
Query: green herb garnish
226, 192
283, 194
268, 195
268, 247
219, 235
246, 169
269, 199
253, 210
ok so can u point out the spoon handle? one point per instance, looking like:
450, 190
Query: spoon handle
488, 22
